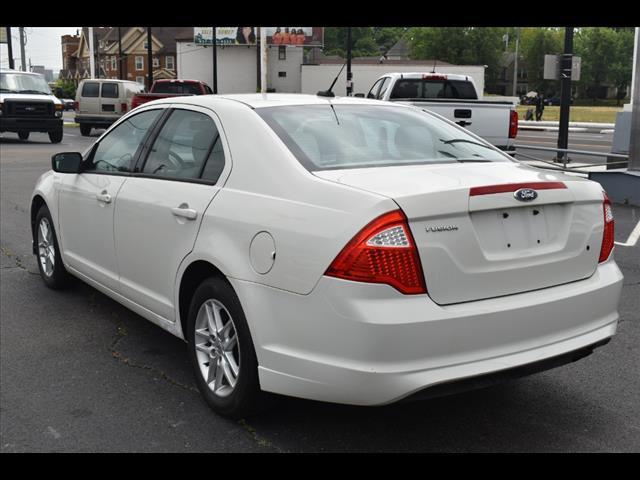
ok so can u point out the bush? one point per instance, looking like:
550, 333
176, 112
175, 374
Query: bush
68, 88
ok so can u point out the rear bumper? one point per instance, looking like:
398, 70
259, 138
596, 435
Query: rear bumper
97, 120
362, 344
17, 124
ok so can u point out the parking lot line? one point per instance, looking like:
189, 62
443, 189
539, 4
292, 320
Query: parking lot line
633, 237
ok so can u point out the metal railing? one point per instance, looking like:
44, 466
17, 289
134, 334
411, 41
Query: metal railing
561, 163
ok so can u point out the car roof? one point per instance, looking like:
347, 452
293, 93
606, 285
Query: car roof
8, 70
258, 100
410, 75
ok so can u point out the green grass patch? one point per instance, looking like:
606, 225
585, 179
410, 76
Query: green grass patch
576, 114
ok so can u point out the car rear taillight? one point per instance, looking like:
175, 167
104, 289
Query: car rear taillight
123, 107
513, 124
382, 252
607, 236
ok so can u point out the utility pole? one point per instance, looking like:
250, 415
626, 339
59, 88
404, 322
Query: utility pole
263, 63
149, 58
349, 75
23, 60
10, 49
120, 53
92, 60
565, 91
634, 140
515, 64
215, 60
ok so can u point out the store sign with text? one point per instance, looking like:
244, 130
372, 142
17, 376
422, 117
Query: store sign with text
291, 36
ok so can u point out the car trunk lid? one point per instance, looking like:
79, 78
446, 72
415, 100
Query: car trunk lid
476, 240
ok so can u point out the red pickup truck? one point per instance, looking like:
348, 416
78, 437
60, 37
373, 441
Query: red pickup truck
171, 88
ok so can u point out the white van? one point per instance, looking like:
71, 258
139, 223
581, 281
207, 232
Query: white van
27, 105
101, 102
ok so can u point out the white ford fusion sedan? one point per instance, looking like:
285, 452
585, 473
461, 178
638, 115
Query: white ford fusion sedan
337, 249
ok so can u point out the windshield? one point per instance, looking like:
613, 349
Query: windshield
174, 87
23, 83
325, 137
433, 88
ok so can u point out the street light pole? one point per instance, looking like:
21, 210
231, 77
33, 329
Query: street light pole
22, 54
515, 64
565, 91
150, 58
10, 49
634, 140
120, 53
349, 76
214, 42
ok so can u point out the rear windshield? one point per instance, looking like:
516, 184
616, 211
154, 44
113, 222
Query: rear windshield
180, 88
428, 88
327, 137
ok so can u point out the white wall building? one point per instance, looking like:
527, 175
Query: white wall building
238, 70
238, 67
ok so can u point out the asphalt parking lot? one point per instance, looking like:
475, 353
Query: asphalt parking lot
80, 373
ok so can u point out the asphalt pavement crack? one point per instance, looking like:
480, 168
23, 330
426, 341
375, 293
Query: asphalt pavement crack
18, 261
257, 438
121, 333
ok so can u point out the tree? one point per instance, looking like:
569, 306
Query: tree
535, 43
460, 46
67, 86
363, 43
606, 60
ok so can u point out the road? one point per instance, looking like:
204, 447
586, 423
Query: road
592, 142
80, 373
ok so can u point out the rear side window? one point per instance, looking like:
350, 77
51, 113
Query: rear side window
110, 90
90, 89
187, 147
117, 151
426, 88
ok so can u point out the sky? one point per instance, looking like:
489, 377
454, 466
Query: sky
42, 47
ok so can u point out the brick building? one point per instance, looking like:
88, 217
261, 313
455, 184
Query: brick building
134, 65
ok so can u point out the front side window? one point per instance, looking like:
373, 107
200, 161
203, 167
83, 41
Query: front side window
139, 62
325, 137
117, 151
90, 89
383, 87
374, 90
187, 147
109, 90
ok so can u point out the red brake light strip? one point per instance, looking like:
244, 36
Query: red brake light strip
512, 187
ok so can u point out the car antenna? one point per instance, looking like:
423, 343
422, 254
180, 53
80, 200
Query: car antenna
434, 66
329, 93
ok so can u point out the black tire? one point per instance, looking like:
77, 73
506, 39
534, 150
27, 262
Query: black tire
85, 130
56, 136
23, 135
59, 278
246, 398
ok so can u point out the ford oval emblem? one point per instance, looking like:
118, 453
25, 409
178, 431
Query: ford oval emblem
525, 194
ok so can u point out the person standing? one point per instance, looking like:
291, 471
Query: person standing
539, 107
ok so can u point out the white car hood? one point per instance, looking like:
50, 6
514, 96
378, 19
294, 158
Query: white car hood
28, 97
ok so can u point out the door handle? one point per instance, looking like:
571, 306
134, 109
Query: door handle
185, 212
104, 197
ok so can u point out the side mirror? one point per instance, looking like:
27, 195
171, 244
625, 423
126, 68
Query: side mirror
359, 95
370, 95
66, 162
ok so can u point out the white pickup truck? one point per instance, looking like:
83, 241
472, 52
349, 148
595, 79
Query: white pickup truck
455, 98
